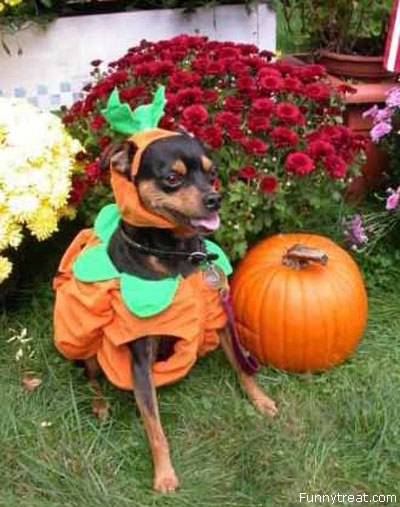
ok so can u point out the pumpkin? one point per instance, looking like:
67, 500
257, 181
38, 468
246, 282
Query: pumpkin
300, 302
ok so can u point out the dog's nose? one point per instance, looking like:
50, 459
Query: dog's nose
212, 201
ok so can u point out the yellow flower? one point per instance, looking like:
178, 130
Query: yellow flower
43, 223
22, 206
13, 3
37, 160
68, 212
2, 7
5, 268
14, 237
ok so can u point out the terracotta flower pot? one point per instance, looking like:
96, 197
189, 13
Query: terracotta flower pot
354, 66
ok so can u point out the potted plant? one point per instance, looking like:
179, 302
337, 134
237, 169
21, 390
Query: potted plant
348, 37
275, 131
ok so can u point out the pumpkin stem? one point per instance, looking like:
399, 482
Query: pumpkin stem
300, 256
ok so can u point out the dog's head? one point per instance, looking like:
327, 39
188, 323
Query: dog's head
173, 180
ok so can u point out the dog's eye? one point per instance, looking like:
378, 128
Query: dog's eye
173, 179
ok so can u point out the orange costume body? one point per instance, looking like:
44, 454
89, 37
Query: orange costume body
99, 310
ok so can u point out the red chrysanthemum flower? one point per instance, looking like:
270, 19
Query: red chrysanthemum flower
239, 69
282, 136
78, 190
210, 96
233, 104
289, 113
215, 68
269, 184
320, 149
269, 70
212, 135
312, 71
291, 84
98, 122
133, 92
258, 123
338, 135
335, 166
262, 106
271, 83
254, 146
189, 96
317, 91
183, 78
299, 163
200, 64
195, 114
345, 88
246, 84
248, 173
92, 172
235, 133
119, 77
227, 119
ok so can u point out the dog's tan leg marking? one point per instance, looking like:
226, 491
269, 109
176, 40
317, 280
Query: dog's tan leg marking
165, 479
260, 400
100, 406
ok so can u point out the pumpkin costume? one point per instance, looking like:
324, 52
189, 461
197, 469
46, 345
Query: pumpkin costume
99, 310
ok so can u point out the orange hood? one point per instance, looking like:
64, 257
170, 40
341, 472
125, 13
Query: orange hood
125, 192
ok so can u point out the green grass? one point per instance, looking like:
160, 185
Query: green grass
337, 432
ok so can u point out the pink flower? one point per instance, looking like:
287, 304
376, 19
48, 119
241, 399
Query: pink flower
393, 201
380, 130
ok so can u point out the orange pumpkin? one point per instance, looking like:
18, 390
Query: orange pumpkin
300, 302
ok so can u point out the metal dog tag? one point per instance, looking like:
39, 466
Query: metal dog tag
214, 277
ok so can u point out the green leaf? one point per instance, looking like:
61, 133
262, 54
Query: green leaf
122, 119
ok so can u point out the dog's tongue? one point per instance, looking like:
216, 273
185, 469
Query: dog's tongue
211, 223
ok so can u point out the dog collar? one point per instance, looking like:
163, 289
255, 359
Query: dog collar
196, 257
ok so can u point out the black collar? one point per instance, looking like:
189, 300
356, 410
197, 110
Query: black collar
195, 257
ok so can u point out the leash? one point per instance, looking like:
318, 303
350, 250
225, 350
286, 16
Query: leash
246, 360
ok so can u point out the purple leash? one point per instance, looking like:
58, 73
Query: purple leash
247, 362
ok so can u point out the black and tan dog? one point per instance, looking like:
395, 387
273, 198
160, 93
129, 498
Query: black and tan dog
174, 181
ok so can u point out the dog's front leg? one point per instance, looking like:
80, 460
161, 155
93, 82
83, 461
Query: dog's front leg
260, 400
165, 479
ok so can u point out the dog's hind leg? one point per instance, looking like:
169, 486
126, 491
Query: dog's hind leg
143, 356
100, 405
260, 400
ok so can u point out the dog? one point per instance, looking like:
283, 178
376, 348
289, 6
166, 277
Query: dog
173, 182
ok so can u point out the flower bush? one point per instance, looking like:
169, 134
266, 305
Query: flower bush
275, 131
37, 158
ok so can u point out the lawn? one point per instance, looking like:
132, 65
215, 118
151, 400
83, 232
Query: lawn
337, 432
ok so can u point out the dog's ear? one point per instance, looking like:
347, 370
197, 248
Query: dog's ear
119, 157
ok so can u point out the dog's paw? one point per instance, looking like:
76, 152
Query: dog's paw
265, 405
101, 410
166, 482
